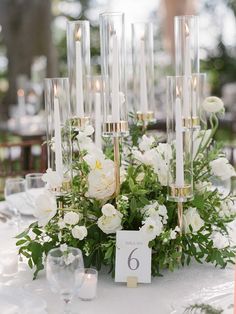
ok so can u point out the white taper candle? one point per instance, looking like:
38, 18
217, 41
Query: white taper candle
115, 102
179, 143
79, 78
143, 80
57, 136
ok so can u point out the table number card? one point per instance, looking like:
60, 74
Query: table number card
133, 257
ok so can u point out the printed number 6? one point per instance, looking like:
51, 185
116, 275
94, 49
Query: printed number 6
130, 259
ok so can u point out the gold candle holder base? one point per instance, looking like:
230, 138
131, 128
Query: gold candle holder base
116, 129
80, 122
145, 117
191, 123
181, 192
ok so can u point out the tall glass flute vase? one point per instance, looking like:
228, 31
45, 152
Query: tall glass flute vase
197, 98
94, 84
112, 37
57, 102
180, 172
78, 57
186, 56
186, 45
143, 71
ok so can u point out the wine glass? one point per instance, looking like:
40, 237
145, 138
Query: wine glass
65, 272
14, 193
34, 186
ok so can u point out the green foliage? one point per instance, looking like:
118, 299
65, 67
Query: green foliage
168, 251
203, 308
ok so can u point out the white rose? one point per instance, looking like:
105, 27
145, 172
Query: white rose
110, 224
192, 217
79, 232
213, 104
222, 169
146, 143
108, 210
220, 241
151, 229
52, 178
71, 218
101, 184
45, 208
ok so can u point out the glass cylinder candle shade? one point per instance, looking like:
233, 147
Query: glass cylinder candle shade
186, 45
95, 84
57, 105
143, 71
115, 113
78, 57
197, 98
180, 172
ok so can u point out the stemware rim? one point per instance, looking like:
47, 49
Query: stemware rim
58, 249
35, 174
15, 180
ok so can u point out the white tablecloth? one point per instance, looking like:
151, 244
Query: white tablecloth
162, 296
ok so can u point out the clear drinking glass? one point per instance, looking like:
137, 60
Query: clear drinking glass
14, 193
65, 272
34, 186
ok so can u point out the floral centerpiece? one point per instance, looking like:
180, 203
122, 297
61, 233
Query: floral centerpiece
89, 215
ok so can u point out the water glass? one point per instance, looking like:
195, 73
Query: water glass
14, 193
65, 272
34, 186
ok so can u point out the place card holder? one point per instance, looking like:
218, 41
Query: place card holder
132, 282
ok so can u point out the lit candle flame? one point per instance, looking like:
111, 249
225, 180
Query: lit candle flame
55, 91
186, 29
78, 34
20, 92
195, 83
177, 91
97, 85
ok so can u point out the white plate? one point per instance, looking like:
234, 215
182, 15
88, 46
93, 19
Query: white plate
15, 300
221, 297
24, 205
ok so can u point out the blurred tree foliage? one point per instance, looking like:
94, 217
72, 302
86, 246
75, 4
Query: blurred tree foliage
220, 63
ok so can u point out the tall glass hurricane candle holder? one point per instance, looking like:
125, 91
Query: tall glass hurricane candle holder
180, 173
58, 129
197, 98
94, 84
186, 56
143, 72
78, 56
115, 114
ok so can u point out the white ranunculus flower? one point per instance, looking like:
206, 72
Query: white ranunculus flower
71, 218
110, 224
151, 229
79, 232
108, 210
219, 240
146, 143
52, 178
222, 169
192, 217
45, 208
213, 104
101, 184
